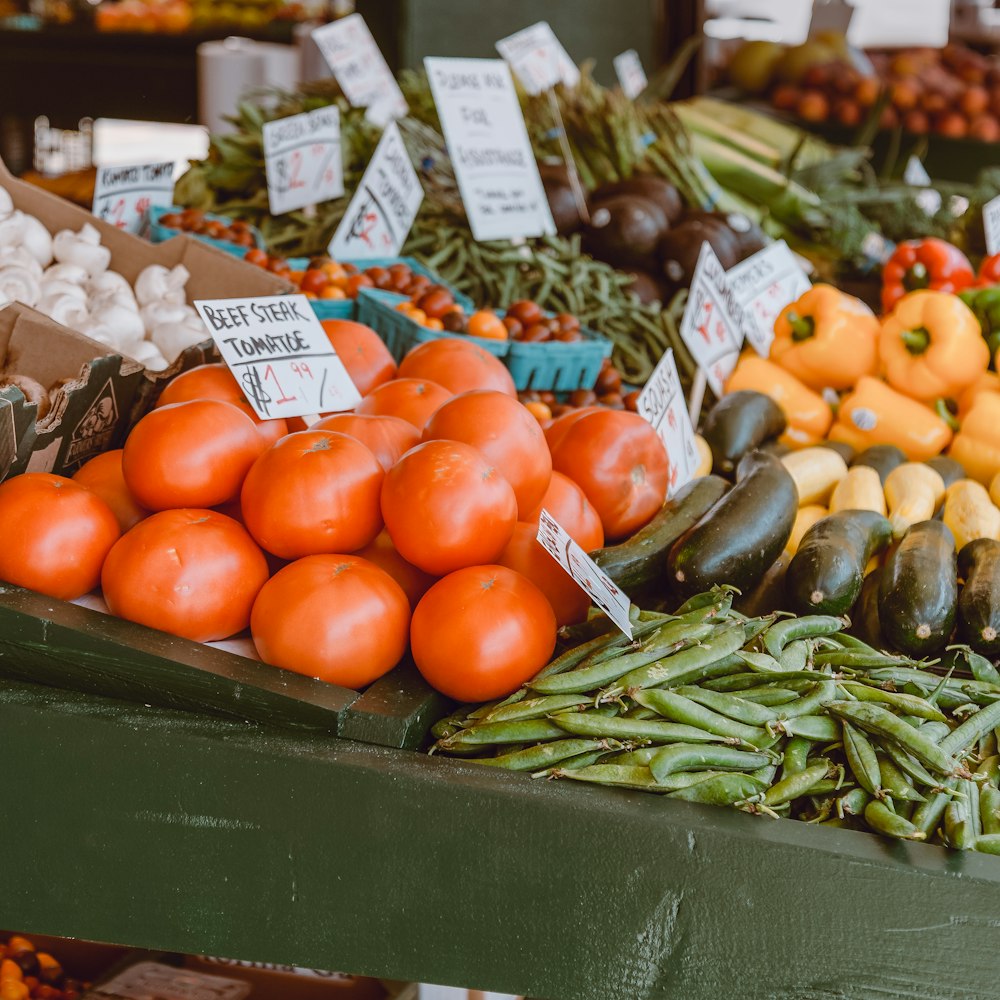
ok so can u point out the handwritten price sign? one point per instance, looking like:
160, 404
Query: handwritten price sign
282, 359
602, 589
303, 160
538, 58
662, 403
122, 195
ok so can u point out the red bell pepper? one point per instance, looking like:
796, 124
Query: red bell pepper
928, 263
989, 271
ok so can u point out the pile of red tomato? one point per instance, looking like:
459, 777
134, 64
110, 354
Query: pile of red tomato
192, 220
408, 522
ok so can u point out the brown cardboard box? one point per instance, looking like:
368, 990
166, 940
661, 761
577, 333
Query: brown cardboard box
90, 413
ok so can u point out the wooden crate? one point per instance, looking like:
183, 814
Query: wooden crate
66, 646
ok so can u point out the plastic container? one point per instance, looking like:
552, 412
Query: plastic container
154, 230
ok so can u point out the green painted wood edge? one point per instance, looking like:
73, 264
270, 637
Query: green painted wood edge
176, 832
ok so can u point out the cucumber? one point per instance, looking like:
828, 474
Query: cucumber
883, 458
842, 448
979, 603
742, 535
828, 569
864, 615
947, 468
769, 593
642, 559
739, 423
918, 592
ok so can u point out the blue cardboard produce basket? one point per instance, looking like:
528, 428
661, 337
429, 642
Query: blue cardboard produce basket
156, 232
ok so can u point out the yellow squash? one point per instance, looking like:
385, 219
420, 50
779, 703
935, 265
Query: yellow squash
816, 472
860, 489
970, 513
913, 492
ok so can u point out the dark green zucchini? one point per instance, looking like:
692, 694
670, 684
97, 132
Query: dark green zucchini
742, 535
739, 423
828, 569
842, 448
979, 603
769, 592
918, 593
641, 561
864, 615
947, 468
883, 458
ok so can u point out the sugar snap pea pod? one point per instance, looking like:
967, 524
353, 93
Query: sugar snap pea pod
545, 754
593, 724
739, 681
788, 629
883, 820
794, 656
913, 769
853, 803
578, 653
935, 731
682, 667
927, 816
618, 775
796, 756
638, 712
989, 808
817, 728
894, 782
536, 708
845, 640
959, 831
989, 767
837, 822
874, 719
858, 659
797, 785
721, 789
862, 759
765, 773
684, 711
821, 694
448, 726
720, 594
729, 705
671, 638
642, 756
987, 745
769, 695
698, 757
907, 704
521, 731
988, 843
828, 786
761, 663
970, 731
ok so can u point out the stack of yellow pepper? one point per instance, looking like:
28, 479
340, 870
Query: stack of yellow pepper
911, 379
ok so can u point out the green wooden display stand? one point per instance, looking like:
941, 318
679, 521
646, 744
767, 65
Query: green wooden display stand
168, 830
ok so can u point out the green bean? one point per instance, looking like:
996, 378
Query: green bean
853, 803
785, 631
882, 819
971, 730
794, 656
545, 754
590, 724
681, 667
906, 703
721, 789
769, 695
669, 639
927, 815
682, 710
875, 719
729, 705
862, 759
818, 728
988, 843
913, 769
797, 785
695, 757
989, 808
796, 756
535, 708
522, 731
894, 783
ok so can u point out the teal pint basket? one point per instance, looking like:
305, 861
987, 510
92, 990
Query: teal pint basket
156, 232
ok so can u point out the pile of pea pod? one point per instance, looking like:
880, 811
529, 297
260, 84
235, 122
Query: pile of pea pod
776, 715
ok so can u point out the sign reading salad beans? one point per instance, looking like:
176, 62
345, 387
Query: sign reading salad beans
489, 147
662, 403
711, 325
604, 592
280, 355
360, 68
538, 59
384, 206
122, 194
302, 160
631, 75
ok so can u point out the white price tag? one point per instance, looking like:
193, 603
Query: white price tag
378, 219
662, 403
602, 589
538, 59
280, 355
360, 68
122, 194
631, 75
915, 174
302, 159
711, 326
489, 147
991, 225
763, 285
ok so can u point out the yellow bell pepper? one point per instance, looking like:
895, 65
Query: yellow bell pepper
826, 339
808, 414
931, 346
977, 445
987, 382
876, 414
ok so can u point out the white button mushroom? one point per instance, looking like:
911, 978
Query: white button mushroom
148, 354
174, 338
65, 309
37, 240
157, 283
6, 204
72, 273
18, 284
12, 228
83, 249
